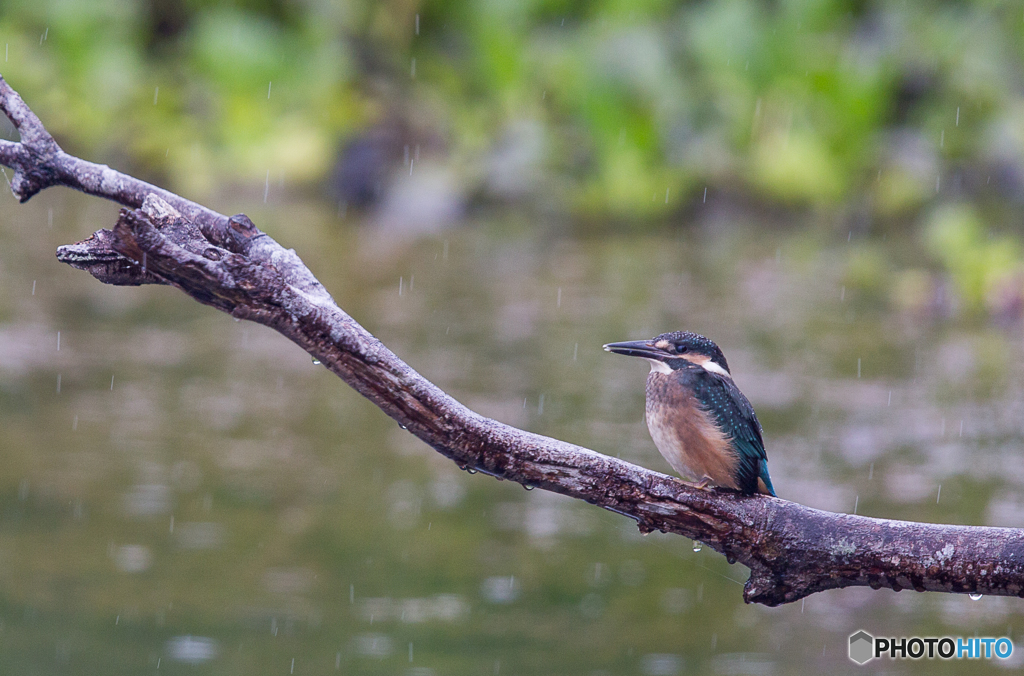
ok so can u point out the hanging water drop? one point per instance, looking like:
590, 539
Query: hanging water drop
975, 597
316, 362
529, 487
697, 545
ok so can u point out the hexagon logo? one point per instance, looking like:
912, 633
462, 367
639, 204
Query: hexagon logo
862, 647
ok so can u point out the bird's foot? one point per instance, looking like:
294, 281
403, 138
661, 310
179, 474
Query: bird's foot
704, 483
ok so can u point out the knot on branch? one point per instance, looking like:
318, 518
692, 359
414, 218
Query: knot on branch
248, 276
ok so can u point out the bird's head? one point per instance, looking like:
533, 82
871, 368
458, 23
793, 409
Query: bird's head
671, 351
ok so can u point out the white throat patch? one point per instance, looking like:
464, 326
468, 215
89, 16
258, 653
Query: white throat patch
658, 366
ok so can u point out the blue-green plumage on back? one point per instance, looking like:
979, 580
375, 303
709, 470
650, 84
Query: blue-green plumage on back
699, 419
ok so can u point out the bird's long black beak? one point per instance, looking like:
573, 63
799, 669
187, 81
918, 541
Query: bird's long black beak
637, 348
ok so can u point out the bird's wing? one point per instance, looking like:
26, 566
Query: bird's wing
736, 418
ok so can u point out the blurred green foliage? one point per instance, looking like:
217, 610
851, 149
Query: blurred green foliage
622, 112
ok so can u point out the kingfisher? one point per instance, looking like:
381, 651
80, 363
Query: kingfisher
699, 420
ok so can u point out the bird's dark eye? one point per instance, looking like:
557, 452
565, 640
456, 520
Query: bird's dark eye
681, 349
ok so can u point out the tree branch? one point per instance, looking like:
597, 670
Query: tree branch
792, 551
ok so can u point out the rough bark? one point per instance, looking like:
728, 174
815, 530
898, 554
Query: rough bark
792, 551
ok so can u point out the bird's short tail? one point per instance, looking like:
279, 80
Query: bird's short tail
764, 483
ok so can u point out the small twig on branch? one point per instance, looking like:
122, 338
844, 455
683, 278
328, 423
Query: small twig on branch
792, 551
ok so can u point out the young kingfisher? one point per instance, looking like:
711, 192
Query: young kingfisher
698, 418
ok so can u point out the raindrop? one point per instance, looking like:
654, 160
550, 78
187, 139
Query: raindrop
418, 32
33, 287
316, 362
402, 426
890, 399
730, 558
540, 405
938, 495
111, 383
558, 302
337, 661
401, 285
705, 194
856, 501
975, 597
293, 666
74, 424
58, 341
958, 116
858, 367
412, 71
961, 428
529, 487
697, 546
666, 195
155, 95
470, 470
269, 85
266, 188
58, 383
871, 471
